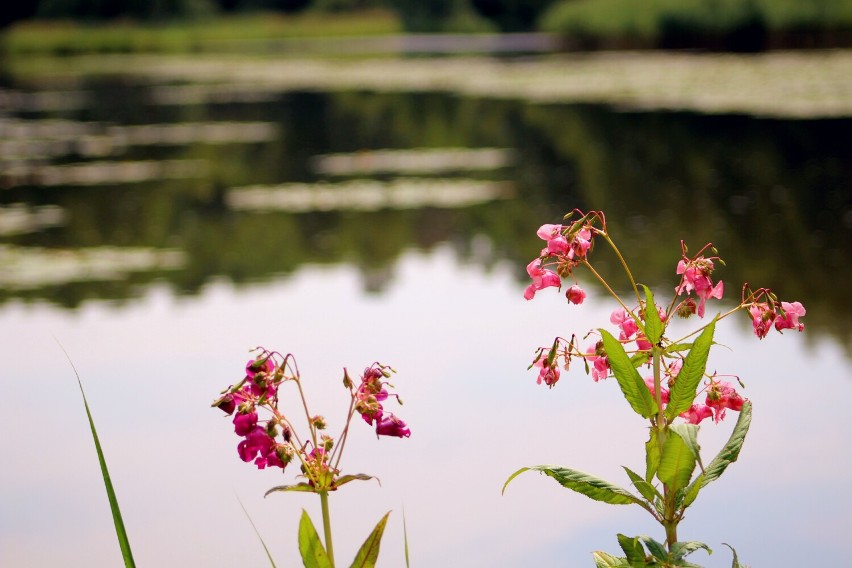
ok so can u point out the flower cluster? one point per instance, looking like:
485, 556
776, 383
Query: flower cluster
695, 277
769, 311
258, 388
566, 246
368, 402
274, 442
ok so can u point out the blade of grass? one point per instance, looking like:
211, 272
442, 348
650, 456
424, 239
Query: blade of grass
120, 533
268, 554
405, 537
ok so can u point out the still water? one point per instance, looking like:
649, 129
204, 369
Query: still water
158, 229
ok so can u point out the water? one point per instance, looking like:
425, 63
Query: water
123, 237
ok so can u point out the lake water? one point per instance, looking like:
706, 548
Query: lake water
159, 228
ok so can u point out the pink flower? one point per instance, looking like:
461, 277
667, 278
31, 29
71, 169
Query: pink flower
245, 423
762, 317
575, 294
722, 396
541, 277
390, 425
600, 364
790, 319
547, 373
258, 441
625, 323
261, 365
696, 277
581, 243
642, 343
556, 241
697, 413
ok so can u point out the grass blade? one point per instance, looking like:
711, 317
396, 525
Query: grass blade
120, 533
251, 522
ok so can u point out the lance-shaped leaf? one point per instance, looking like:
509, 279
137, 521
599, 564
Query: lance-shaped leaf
680, 549
736, 563
652, 456
656, 548
689, 434
648, 491
369, 552
634, 388
730, 452
606, 560
586, 484
310, 546
653, 323
303, 487
633, 549
676, 463
353, 477
682, 392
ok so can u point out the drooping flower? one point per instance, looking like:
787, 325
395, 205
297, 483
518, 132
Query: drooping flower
245, 423
390, 425
696, 278
625, 323
548, 373
722, 396
541, 278
556, 241
596, 355
575, 294
790, 319
697, 413
257, 441
762, 317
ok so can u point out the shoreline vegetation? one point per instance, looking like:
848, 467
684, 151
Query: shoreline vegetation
576, 25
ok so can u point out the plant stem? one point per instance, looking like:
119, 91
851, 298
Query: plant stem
326, 526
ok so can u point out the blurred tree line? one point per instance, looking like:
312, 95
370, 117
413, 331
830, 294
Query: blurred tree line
416, 15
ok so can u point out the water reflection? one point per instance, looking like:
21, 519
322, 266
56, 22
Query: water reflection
228, 182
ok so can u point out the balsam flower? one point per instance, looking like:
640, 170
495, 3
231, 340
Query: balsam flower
575, 295
790, 319
390, 425
722, 396
548, 373
541, 278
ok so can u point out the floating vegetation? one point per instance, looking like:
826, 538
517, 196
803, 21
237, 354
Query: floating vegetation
32, 267
415, 161
804, 84
101, 173
368, 195
19, 218
36, 139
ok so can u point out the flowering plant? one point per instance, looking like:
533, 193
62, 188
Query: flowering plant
275, 441
671, 398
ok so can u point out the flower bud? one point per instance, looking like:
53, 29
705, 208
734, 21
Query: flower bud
318, 422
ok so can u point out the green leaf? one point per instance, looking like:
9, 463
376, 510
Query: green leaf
653, 324
657, 549
731, 451
736, 563
689, 434
120, 532
680, 549
302, 487
691, 492
605, 560
310, 546
632, 549
251, 522
652, 456
588, 485
676, 463
353, 477
682, 393
405, 538
369, 552
634, 388
675, 347
640, 358
648, 491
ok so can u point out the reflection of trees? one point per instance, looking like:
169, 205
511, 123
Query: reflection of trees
772, 195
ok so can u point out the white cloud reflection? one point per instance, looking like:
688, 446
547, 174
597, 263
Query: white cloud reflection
461, 341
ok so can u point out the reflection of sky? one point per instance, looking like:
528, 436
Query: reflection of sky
461, 341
